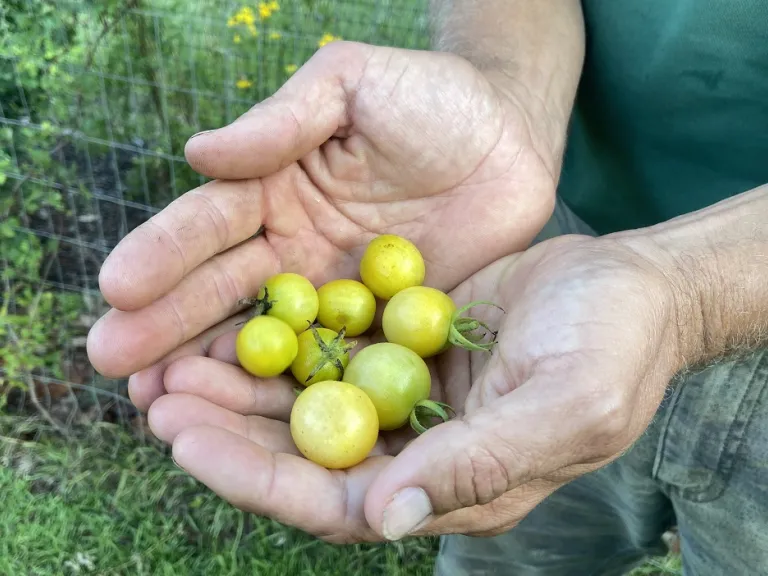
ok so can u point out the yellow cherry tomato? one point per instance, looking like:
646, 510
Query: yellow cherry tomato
334, 424
394, 377
266, 346
346, 304
291, 298
323, 355
419, 318
390, 264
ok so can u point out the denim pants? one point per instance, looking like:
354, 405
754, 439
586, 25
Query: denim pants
701, 465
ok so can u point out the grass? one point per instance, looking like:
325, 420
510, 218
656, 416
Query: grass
109, 504
667, 566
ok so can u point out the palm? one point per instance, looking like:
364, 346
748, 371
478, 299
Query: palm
335, 158
447, 166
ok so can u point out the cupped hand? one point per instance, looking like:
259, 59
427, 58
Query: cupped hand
360, 141
586, 347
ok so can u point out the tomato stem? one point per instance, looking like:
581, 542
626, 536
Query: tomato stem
260, 306
331, 352
463, 331
429, 409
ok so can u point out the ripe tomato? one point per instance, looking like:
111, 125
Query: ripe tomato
426, 321
346, 304
391, 263
290, 297
334, 424
266, 346
323, 355
394, 378
419, 318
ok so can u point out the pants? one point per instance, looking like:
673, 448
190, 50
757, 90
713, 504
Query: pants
702, 465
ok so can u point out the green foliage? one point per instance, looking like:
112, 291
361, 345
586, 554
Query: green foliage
30, 343
34, 345
121, 85
35, 323
36, 39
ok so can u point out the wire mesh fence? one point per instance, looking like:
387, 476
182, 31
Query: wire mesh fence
97, 99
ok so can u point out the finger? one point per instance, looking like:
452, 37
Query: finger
290, 489
146, 386
154, 257
173, 413
223, 348
537, 429
121, 343
231, 388
309, 108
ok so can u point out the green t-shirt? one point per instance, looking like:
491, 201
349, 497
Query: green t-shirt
672, 110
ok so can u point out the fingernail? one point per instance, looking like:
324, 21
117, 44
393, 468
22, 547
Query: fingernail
409, 510
200, 133
177, 464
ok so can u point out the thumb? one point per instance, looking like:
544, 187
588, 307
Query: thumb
529, 433
308, 109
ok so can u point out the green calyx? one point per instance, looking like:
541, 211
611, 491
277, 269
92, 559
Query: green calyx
259, 306
470, 333
423, 415
330, 352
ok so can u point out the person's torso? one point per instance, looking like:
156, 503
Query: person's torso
672, 110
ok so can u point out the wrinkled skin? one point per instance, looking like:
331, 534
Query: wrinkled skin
360, 141
533, 416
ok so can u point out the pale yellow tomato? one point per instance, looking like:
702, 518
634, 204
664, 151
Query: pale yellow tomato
394, 377
334, 424
290, 297
346, 304
419, 318
390, 264
266, 346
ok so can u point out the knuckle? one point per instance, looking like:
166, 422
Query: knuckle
480, 476
225, 287
219, 222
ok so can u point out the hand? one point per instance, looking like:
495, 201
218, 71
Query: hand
360, 141
586, 348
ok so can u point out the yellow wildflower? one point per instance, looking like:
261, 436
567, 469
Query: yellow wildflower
291, 68
275, 35
236, 39
265, 10
243, 84
243, 16
327, 39
274, 6
246, 15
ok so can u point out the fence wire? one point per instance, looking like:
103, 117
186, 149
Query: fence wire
97, 99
